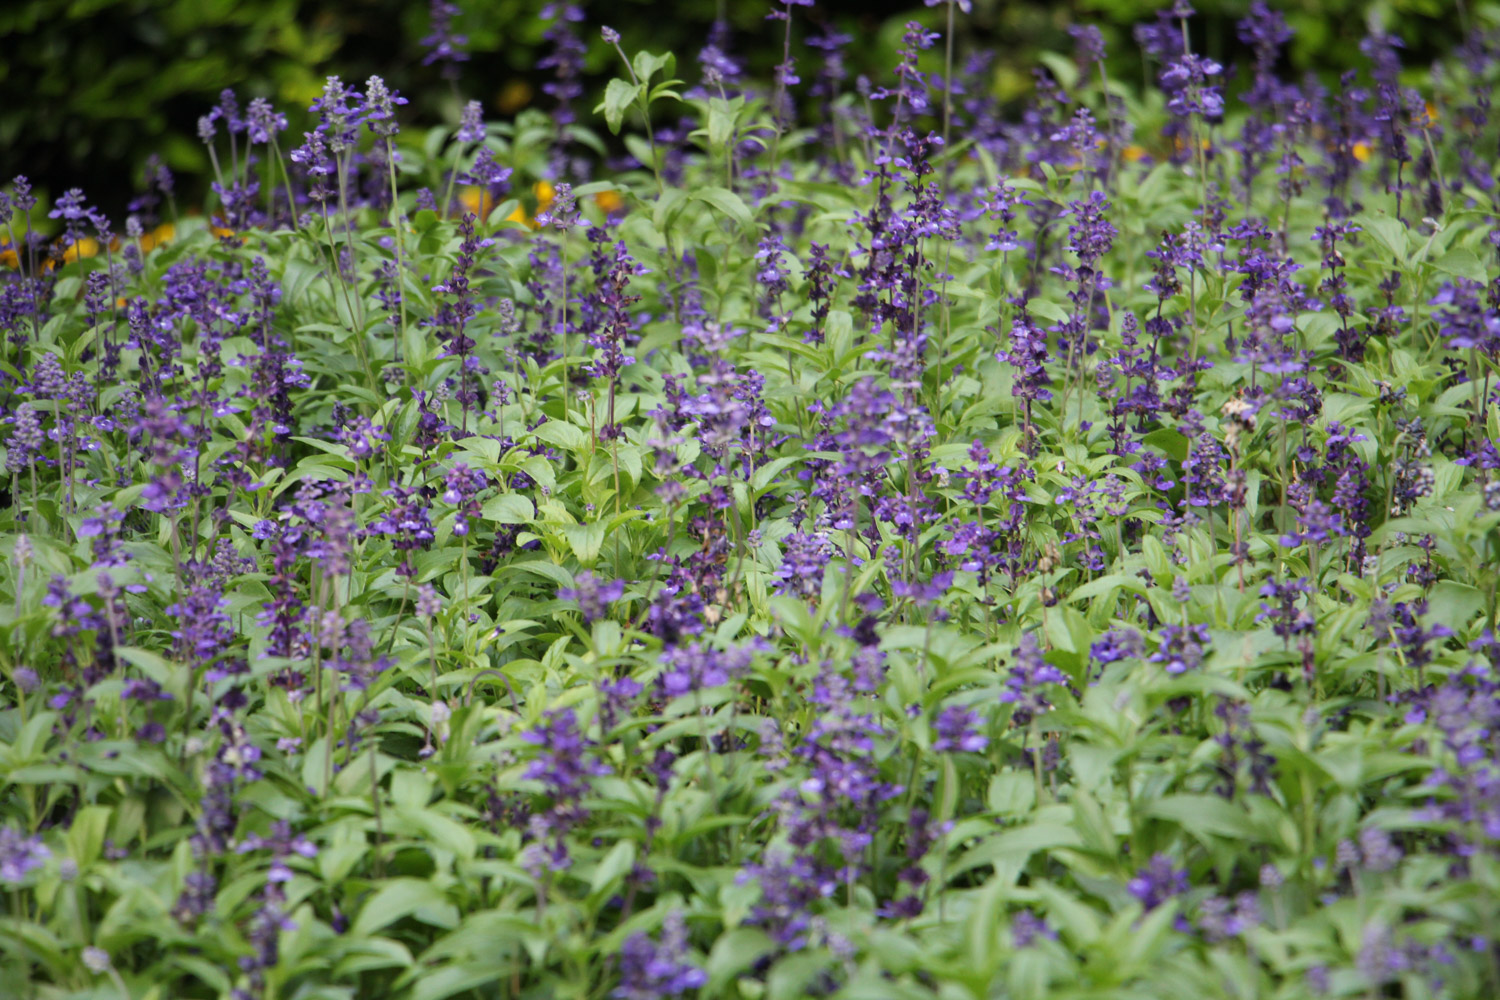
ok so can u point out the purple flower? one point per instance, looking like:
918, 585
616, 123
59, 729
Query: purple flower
445, 46
471, 123
1288, 620
1025, 685
658, 970
804, 558
694, 667
1089, 43
1181, 648
1026, 927
263, 122
1221, 918
381, 103
594, 596
1158, 882
958, 729
20, 854
1115, 645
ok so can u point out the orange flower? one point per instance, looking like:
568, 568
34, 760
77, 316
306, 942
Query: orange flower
481, 203
9, 257
1133, 153
610, 202
86, 247
160, 236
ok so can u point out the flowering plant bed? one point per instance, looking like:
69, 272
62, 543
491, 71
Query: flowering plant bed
867, 542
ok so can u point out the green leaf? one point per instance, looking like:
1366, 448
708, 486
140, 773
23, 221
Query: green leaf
722, 116
1388, 234
1201, 815
585, 540
732, 954
561, 434
614, 866
1012, 793
619, 95
508, 508
646, 64
405, 897
726, 202
1462, 263
446, 981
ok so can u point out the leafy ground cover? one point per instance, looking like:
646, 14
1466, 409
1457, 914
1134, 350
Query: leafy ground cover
904, 550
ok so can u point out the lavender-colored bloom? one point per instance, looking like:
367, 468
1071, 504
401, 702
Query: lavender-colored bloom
471, 123
695, 667
263, 122
1187, 81
381, 103
20, 854
143, 689
564, 764
1115, 645
26, 439
74, 211
652, 970
1158, 882
594, 596
21, 194
341, 110
1089, 43
485, 172
283, 845
1377, 850
1465, 319
1221, 918
1288, 620
444, 45
1181, 648
1026, 927
1025, 683
365, 439
313, 158
428, 605
566, 61
957, 728
805, 557
462, 488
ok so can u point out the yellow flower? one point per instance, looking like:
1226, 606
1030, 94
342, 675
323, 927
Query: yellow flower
1361, 151
481, 203
514, 96
160, 236
9, 257
86, 247
1133, 153
610, 202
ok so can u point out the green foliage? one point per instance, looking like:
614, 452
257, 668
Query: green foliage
695, 564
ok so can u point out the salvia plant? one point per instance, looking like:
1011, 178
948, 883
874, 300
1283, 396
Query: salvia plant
806, 537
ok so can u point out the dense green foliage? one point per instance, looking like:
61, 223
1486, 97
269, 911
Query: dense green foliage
93, 87
807, 559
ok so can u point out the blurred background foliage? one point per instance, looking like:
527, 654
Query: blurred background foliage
90, 88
